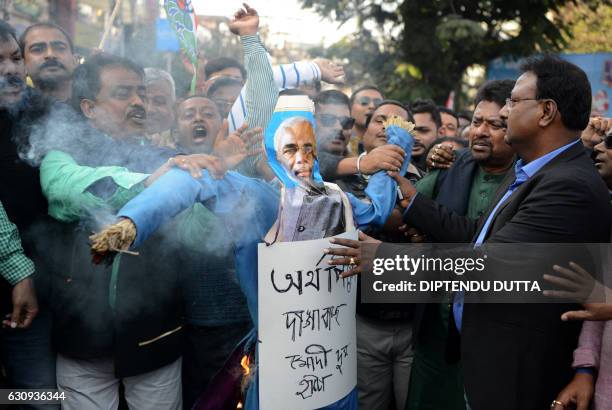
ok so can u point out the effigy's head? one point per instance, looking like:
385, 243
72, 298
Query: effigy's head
296, 148
290, 143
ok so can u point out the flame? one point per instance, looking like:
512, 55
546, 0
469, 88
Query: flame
245, 362
239, 406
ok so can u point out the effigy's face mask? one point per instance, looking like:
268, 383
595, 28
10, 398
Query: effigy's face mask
296, 149
290, 143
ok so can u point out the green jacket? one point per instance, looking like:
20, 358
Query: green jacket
67, 184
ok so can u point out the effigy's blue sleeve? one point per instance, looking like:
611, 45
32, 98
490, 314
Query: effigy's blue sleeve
382, 189
176, 191
172, 193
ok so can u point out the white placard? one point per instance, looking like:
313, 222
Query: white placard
307, 349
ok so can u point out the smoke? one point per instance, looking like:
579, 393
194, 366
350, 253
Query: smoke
63, 130
12, 81
194, 250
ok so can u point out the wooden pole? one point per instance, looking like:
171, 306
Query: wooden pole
111, 20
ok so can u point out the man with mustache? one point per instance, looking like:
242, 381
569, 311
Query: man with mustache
334, 127
161, 97
49, 58
106, 328
312, 209
334, 122
554, 196
117, 107
487, 160
197, 124
123, 323
427, 122
467, 188
385, 332
26, 354
199, 128
450, 122
362, 104
216, 314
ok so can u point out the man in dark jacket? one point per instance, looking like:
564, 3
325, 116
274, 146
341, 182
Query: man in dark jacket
518, 356
117, 322
467, 188
554, 196
25, 354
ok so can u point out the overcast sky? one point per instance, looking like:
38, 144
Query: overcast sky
285, 17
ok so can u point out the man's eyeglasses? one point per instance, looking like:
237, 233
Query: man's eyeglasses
511, 102
329, 120
365, 101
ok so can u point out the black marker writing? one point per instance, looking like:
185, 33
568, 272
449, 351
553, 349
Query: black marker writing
315, 320
311, 384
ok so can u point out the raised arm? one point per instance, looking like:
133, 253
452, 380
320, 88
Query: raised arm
289, 76
260, 92
296, 74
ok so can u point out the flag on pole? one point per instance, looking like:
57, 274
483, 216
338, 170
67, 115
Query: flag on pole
450, 101
183, 20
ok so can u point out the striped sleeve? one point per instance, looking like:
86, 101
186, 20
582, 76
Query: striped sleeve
260, 93
296, 74
14, 265
285, 76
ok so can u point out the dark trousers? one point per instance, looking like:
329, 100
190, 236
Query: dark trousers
205, 350
28, 358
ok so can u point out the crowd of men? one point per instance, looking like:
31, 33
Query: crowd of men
151, 332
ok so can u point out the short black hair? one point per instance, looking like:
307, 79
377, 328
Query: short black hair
191, 97
291, 91
332, 97
390, 102
422, 106
222, 82
25, 33
86, 77
316, 84
221, 63
7, 32
496, 91
466, 115
364, 88
564, 83
449, 112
